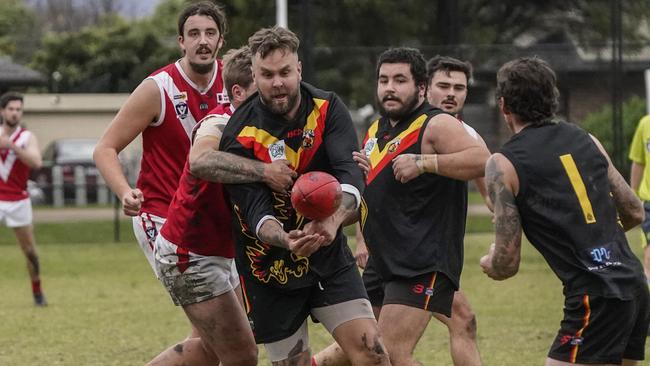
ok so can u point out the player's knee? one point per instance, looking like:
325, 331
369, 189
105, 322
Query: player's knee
370, 350
243, 356
464, 320
301, 359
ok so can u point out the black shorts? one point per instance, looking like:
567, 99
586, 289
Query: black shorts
431, 291
373, 284
602, 330
275, 314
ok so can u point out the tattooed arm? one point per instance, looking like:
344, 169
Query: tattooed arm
296, 241
629, 207
208, 163
502, 260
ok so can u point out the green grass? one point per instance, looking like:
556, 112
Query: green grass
83, 232
106, 307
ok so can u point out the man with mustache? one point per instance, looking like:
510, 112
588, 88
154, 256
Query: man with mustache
164, 108
420, 161
19, 154
291, 267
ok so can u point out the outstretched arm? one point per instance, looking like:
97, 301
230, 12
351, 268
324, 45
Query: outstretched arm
502, 260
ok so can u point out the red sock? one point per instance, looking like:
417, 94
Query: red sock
313, 361
36, 287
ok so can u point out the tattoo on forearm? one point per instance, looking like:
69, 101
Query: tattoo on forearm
348, 210
507, 223
625, 201
222, 167
271, 233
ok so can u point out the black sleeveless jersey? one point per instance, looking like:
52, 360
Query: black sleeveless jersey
567, 210
416, 227
321, 137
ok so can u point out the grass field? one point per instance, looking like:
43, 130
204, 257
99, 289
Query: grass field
106, 308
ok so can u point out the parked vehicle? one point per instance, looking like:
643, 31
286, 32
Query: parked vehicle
68, 154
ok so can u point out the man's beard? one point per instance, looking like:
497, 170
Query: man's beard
281, 109
202, 68
11, 123
408, 106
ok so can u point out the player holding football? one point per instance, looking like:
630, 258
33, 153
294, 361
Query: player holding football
291, 267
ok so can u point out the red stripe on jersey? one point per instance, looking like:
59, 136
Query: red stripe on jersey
404, 144
315, 121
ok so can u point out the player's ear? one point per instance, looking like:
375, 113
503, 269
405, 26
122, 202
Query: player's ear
299, 68
502, 106
180, 44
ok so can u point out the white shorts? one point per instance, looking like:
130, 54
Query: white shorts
146, 228
330, 316
191, 278
16, 213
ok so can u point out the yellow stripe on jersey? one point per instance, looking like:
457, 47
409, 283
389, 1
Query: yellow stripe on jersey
377, 156
266, 139
578, 187
363, 212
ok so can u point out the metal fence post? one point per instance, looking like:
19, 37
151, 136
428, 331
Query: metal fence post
57, 186
80, 186
102, 190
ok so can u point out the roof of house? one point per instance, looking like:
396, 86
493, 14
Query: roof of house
12, 74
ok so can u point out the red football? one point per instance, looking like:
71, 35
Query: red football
316, 195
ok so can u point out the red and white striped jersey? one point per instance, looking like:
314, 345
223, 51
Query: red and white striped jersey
166, 142
13, 172
199, 217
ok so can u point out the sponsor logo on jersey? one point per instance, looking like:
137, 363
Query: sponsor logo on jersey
181, 96
277, 151
294, 133
181, 110
370, 144
393, 145
308, 139
222, 98
203, 106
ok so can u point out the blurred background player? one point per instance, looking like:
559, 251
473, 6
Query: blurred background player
640, 181
19, 153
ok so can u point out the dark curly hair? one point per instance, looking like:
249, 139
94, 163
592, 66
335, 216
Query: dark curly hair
528, 88
448, 64
405, 55
9, 97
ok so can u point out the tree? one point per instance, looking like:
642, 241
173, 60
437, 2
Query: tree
113, 56
599, 124
18, 31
